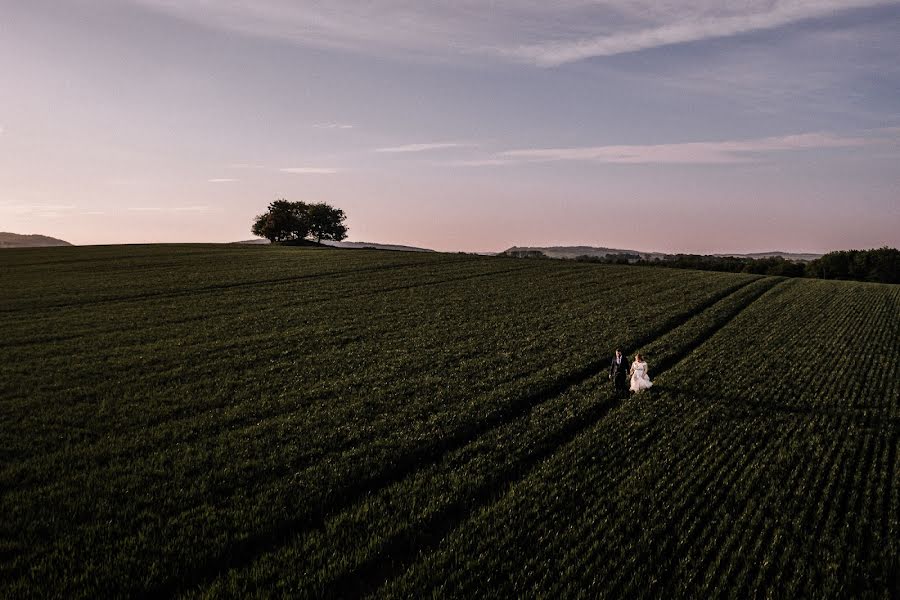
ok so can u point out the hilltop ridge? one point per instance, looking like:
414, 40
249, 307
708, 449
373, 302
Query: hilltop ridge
371, 245
18, 240
594, 251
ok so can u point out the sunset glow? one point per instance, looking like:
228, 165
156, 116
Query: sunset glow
679, 127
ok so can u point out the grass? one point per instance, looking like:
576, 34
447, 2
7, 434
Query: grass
211, 421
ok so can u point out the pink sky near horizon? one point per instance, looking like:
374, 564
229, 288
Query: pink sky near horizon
132, 122
678, 213
506, 219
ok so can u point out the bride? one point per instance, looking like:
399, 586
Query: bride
640, 381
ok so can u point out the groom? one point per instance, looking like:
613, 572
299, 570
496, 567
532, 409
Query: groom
618, 373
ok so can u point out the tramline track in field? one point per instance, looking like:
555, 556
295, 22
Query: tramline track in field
324, 436
216, 288
257, 415
660, 285
293, 303
371, 572
851, 491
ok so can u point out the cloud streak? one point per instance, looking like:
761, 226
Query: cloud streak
422, 147
245, 166
693, 30
333, 126
539, 33
478, 162
310, 170
164, 209
223, 180
702, 153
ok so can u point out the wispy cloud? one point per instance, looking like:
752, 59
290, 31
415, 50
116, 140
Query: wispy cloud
245, 166
310, 170
482, 162
709, 153
541, 33
333, 126
223, 180
423, 147
690, 30
163, 209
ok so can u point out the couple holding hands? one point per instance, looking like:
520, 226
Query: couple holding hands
620, 371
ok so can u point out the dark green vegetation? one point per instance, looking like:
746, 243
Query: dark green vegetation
296, 221
879, 265
241, 420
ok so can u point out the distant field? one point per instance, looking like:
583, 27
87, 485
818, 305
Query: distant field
209, 421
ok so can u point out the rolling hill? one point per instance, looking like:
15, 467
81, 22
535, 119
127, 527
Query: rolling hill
576, 251
233, 421
16, 240
358, 245
803, 256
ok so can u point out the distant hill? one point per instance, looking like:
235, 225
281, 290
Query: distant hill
352, 245
804, 256
376, 246
576, 251
17, 240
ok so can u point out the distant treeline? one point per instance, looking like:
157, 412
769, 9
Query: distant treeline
881, 265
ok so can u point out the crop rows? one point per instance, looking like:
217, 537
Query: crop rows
668, 499
667, 350
67, 277
722, 496
817, 346
344, 423
330, 561
241, 416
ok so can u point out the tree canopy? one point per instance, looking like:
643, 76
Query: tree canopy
880, 265
286, 221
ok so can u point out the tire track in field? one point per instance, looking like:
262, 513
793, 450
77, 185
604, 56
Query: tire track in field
402, 553
188, 414
316, 300
225, 286
243, 553
669, 362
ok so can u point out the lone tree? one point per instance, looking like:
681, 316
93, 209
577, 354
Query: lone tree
296, 221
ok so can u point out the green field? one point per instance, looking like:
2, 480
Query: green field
233, 421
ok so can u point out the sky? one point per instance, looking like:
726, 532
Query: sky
658, 125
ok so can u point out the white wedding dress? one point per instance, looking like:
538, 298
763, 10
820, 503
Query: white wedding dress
640, 381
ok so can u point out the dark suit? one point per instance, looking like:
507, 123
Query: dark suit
618, 372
